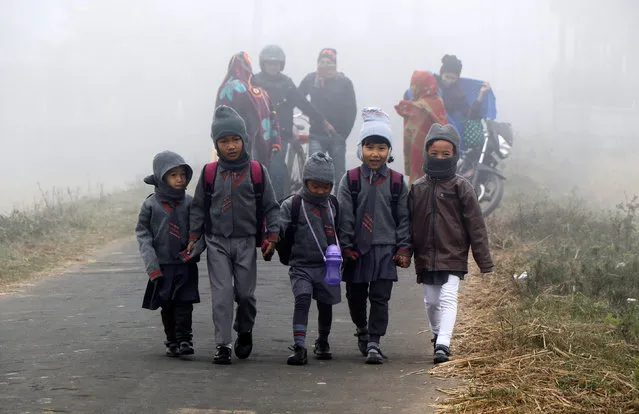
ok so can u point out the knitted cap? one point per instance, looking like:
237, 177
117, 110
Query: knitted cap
319, 167
227, 122
376, 122
328, 53
445, 132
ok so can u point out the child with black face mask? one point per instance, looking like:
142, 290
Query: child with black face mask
446, 220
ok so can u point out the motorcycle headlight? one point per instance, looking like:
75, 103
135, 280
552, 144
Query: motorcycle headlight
504, 147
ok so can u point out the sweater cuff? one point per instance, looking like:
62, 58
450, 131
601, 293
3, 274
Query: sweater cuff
155, 274
194, 236
272, 237
404, 252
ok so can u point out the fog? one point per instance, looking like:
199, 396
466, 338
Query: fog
90, 91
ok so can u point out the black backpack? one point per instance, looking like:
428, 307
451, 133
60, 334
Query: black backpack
285, 245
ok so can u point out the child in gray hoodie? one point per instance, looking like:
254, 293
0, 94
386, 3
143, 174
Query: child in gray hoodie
163, 233
374, 232
225, 212
310, 235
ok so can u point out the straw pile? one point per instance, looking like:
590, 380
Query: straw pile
516, 356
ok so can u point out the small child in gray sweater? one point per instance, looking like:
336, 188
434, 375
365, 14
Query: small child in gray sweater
163, 233
228, 214
314, 212
374, 232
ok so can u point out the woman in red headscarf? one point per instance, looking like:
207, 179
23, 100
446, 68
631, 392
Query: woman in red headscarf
253, 105
425, 109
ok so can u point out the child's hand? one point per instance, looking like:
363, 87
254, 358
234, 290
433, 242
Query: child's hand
402, 261
189, 247
350, 255
268, 249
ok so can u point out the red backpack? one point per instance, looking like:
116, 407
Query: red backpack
257, 174
354, 185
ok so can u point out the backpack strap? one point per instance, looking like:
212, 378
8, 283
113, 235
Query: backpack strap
210, 172
295, 213
397, 179
335, 204
257, 177
354, 185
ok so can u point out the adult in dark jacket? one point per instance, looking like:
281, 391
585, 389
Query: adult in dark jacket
333, 95
285, 97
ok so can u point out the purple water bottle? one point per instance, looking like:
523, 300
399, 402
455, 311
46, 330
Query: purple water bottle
333, 265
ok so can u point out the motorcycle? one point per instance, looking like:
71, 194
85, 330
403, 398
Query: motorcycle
481, 165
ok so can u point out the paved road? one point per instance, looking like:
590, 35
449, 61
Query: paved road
81, 343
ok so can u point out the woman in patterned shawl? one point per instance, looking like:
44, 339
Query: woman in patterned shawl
425, 109
253, 105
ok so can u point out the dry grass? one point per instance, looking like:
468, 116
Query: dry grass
547, 354
62, 230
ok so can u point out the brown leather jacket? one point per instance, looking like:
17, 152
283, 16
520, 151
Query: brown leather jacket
445, 220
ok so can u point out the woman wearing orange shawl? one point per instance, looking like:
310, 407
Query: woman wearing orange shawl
419, 114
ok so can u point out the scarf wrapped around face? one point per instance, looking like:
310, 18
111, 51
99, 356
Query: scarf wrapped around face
420, 113
253, 105
325, 72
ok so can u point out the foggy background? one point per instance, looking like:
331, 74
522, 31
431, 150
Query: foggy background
90, 91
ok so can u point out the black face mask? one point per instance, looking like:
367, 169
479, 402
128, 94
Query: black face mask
441, 168
309, 197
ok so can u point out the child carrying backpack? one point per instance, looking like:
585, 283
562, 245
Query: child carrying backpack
232, 199
307, 227
374, 232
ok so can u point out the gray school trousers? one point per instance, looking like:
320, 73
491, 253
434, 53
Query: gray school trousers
232, 271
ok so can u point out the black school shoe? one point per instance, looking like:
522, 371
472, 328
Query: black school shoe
442, 354
298, 357
186, 350
172, 350
243, 345
322, 350
362, 340
222, 356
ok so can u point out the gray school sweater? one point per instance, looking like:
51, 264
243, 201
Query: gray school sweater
242, 210
152, 232
305, 252
385, 230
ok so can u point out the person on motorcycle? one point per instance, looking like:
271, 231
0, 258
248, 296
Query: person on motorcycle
285, 97
333, 95
457, 94
254, 106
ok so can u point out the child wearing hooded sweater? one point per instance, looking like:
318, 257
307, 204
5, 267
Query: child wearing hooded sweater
373, 239
446, 220
163, 233
227, 219
313, 231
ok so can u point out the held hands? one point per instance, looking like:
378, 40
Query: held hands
350, 255
268, 249
402, 261
189, 247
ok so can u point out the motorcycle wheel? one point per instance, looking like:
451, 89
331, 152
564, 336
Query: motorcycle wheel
295, 160
490, 190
